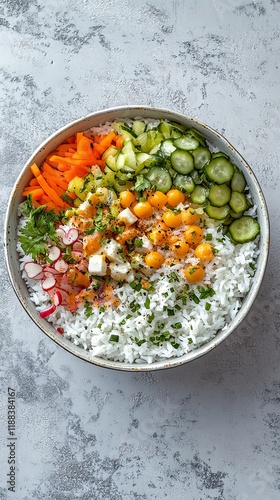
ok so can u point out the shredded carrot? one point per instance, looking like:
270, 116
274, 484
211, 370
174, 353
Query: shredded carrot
33, 182
36, 193
35, 170
50, 192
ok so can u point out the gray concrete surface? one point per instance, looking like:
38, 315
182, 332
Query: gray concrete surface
209, 430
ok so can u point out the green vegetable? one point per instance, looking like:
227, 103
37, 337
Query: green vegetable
38, 230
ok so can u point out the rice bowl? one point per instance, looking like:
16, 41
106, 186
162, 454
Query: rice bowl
191, 327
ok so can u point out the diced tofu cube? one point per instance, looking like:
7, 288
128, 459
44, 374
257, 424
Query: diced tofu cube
127, 217
97, 265
145, 247
113, 251
138, 263
121, 271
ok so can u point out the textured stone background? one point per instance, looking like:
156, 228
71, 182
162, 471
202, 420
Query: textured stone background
209, 430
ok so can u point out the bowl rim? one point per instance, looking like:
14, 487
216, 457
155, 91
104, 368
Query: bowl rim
79, 352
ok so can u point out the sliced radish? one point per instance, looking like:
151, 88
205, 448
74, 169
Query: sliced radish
47, 311
60, 233
54, 253
71, 236
57, 298
48, 282
61, 266
33, 270
77, 255
50, 270
77, 246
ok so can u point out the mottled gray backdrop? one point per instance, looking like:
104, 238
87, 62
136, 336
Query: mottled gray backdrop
209, 430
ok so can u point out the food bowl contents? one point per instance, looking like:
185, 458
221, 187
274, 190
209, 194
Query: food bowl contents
138, 241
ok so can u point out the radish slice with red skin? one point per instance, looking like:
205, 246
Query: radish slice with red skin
47, 311
61, 266
57, 298
54, 253
49, 282
77, 246
71, 236
50, 270
33, 270
60, 233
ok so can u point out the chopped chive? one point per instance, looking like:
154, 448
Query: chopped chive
207, 306
114, 338
209, 237
147, 303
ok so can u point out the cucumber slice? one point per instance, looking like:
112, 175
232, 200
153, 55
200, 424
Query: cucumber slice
186, 142
182, 161
201, 157
127, 133
199, 195
219, 195
138, 127
111, 163
219, 154
196, 177
184, 183
244, 229
167, 147
178, 127
218, 213
219, 170
238, 182
165, 129
197, 135
129, 155
159, 178
148, 140
238, 202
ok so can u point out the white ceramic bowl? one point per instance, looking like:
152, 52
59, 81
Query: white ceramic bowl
95, 119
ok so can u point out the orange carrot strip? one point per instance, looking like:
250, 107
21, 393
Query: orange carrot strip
36, 194
107, 141
76, 171
62, 168
35, 170
68, 161
119, 141
51, 181
50, 192
71, 139
33, 182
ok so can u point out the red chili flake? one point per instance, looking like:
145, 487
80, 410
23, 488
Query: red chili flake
59, 330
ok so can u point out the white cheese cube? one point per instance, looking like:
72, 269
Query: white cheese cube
127, 217
97, 265
121, 271
113, 251
146, 245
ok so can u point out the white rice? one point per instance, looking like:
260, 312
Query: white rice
229, 274
191, 325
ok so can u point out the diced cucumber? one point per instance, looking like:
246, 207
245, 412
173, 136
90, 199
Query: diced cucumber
244, 229
197, 135
219, 195
186, 142
138, 127
199, 195
178, 126
184, 183
219, 154
129, 155
111, 151
127, 170
218, 213
127, 133
148, 140
201, 157
111, 163
234, 215
143, 157
182, 161
219, 170
167, 147
238, 182
160, 179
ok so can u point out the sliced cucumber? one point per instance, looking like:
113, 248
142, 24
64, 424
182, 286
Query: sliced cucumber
201, 156
165, 129
244, 229
182, 161
218, 213
184, 183
111, 151
219, 170
186, 142
196, 177
238, 202
111, 163
167, 147
199, 195
219, 154
238, 182
138, 127
148, 140
127, 133
129, 155
197, 135
178, 127
219, 195
160, 179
